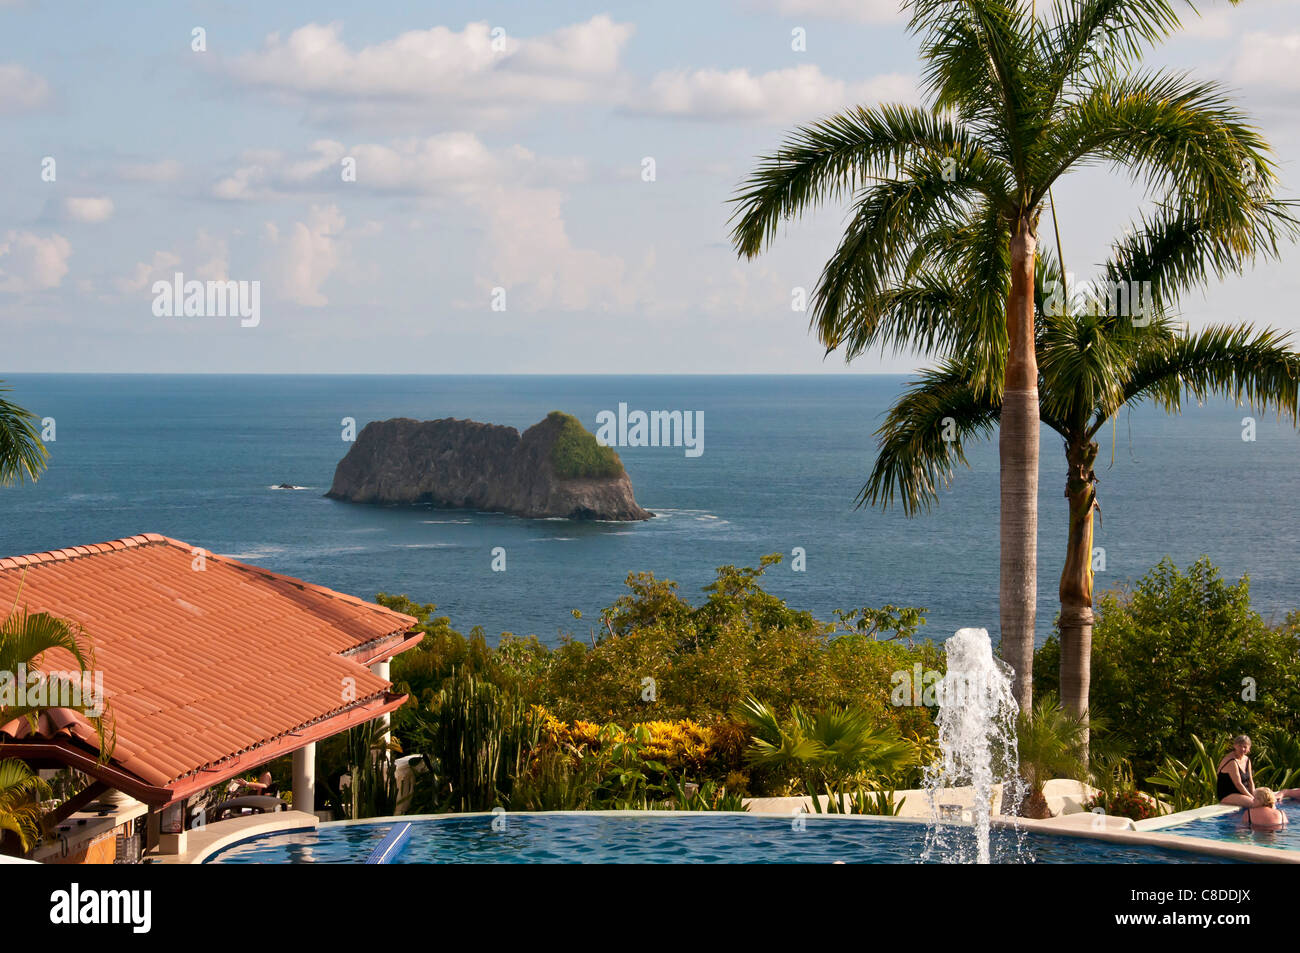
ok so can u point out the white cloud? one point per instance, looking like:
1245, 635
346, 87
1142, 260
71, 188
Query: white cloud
1269, 60
1210, 25
88, 209
164, 170
850, 11
215, 251
510, 191
309, 252
531, 254
21, 90
211, 253
30, 262
798, 93
447, 162
161, 266
439, 67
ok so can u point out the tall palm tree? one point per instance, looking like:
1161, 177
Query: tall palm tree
1091, 365
1017, 98
22, 454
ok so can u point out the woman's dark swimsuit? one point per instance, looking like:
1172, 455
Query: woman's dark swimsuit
1226, 785
1267, 827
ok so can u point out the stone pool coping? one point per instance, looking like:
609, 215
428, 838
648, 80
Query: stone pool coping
1121, 830
202, 843
1182, 817
1117, 830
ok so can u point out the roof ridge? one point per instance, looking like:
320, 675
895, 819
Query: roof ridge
88, 549
149, 539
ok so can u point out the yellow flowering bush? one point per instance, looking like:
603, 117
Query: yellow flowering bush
673, 744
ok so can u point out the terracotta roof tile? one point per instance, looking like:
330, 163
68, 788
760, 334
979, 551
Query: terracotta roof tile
200, 666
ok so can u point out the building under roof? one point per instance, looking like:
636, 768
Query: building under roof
210, 666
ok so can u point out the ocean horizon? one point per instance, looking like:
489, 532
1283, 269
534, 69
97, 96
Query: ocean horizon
198, 457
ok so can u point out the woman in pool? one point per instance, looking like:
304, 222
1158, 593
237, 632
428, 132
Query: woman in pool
1264, 814
1236, 781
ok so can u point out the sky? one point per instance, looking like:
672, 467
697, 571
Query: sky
482, 187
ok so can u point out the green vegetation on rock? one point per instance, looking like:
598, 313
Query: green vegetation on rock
576, 454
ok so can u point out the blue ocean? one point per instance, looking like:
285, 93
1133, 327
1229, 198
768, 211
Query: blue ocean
197, 457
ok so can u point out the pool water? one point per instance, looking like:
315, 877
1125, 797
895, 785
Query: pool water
699, 838
1230, 827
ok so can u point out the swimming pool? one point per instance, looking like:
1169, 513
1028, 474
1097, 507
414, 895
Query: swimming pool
664, 837
1229, 828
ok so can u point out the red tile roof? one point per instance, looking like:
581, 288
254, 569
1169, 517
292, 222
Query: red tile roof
205, 669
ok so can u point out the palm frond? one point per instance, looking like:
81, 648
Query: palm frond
22, 452
1182, 137
924, 436
831, 159
1245, 365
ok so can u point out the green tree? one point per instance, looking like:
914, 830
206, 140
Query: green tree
939, 253
1183, 654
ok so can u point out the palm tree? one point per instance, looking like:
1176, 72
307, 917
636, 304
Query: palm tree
22, 454
1091, 365
940, 250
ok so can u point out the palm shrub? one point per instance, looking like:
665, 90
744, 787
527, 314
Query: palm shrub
555, 780
25, 639
1190, 784
939, 253
1276, 760
21, 794
1051, 743
828, 751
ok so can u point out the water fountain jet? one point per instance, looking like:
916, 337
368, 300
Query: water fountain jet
977, 735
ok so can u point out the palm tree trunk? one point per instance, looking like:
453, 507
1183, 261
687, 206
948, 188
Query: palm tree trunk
1018, 451
1076, 580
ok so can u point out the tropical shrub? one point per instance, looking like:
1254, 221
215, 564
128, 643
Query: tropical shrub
1183, 654
835, 751
657, 657
1186, 785
703, 661
1190, 784
21, 793
1051, 744
1131, 803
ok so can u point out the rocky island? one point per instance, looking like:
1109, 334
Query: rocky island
554, 469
